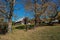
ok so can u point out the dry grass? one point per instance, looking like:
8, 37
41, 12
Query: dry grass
39, 33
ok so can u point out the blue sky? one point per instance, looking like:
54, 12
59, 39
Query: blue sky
21, 12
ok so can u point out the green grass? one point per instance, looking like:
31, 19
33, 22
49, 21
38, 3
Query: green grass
39, 33
24, 26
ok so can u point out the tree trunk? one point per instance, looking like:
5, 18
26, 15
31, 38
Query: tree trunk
59, 21
10, 16
9, 25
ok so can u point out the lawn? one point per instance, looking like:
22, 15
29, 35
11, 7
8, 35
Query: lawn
39, 33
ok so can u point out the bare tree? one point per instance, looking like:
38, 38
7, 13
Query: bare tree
50, 11
10, 15
32, 6
8, 11
43, 9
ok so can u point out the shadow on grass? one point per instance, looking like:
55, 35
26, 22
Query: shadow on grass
47, 24
3, 30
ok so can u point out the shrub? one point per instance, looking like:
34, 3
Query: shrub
21, 27
31, 26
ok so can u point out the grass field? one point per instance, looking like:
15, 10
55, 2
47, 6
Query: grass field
39, 33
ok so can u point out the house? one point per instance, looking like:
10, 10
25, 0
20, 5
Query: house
20, 21
23, 21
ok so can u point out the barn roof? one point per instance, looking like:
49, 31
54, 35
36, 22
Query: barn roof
20, 19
